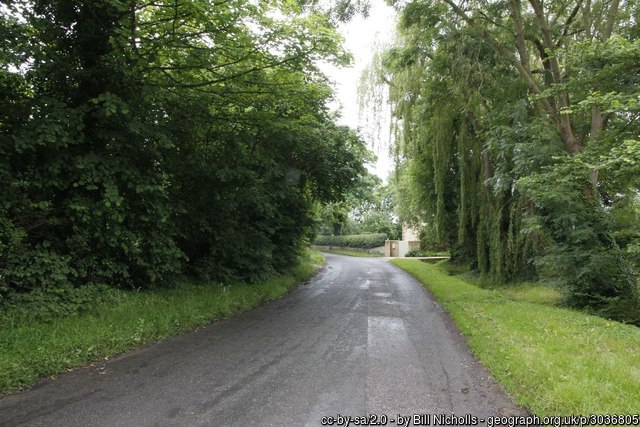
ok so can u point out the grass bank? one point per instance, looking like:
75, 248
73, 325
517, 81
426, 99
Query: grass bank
352, 253
30, 351
554, 361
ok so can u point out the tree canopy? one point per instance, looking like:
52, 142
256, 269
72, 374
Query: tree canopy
145, 140
518, 138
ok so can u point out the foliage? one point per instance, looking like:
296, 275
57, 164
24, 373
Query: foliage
517, 128
369, 208
142, 141
381, 222
415, 253
585, 254
333, 219
44, 304
336, 217
378, 214
364, 241
425, 253
533, 348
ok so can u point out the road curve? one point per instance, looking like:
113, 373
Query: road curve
363, 337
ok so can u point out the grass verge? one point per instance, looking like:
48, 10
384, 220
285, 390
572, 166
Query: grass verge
421, 253
30, 351
554, 361
352, 253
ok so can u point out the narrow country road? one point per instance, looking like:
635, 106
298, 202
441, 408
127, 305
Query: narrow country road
363, 337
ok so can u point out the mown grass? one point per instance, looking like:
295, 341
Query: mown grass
30, 351
352, 253
554, 361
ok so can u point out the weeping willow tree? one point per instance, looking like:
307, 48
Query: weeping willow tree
452, 171
517, 137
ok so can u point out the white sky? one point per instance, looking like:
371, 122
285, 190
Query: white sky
362, 35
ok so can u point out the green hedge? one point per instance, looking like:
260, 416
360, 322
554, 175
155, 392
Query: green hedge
364, 241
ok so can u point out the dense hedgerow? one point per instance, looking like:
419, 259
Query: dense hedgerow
363, 241
117, 172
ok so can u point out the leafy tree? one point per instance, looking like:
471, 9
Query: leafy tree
335, 218
518, 131
85, 201
378, 214
145, 140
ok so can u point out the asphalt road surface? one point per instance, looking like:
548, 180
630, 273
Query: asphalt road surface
363, 337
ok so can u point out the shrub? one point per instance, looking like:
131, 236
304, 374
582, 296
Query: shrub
426, 252
363, 241
46, 304
415, 253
